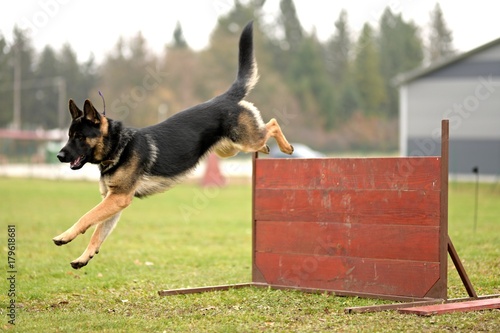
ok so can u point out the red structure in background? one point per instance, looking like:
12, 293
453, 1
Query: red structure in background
213, 177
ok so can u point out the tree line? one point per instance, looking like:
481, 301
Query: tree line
333, 94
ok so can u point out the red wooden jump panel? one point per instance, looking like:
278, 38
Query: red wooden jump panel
358, 225
481, 304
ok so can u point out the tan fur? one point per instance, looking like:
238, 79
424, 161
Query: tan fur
255, 77
255, 134
225, 148
123, 180
256, 113
153, 184
274, 130
98, 143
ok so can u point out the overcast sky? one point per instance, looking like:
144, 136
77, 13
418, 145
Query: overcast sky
93, 27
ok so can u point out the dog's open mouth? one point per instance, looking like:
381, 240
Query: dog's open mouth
77, 163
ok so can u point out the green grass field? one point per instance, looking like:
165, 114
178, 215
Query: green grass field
195, 237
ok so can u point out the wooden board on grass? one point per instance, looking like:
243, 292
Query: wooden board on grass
475, 305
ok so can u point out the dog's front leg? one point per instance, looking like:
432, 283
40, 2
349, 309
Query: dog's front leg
106, 209
100, 233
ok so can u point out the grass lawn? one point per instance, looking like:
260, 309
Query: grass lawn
195, 237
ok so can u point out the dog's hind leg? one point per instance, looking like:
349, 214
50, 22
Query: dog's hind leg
255, 134
274, 130
100, 233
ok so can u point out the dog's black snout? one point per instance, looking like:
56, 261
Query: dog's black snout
61, 156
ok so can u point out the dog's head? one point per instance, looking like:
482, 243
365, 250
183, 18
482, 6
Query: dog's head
86, 136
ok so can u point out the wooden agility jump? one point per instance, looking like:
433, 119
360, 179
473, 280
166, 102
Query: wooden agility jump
368, 227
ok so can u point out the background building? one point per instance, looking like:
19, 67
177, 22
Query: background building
464, 89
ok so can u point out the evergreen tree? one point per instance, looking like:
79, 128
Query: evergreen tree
338, 60
304, 68
74, 74
139, 53
178, 37
368, 78
291, 25
179, 90
441, 37
45, 90
401, 50
79, 78
89, 74
22, 53
310, 82
338, 49
349, 100
6, 79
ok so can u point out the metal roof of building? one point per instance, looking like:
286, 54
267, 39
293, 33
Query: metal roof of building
423, 71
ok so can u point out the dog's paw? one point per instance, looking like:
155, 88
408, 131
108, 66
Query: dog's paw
84, 259
65, 237
60, 241
288, 150
78, 264
265, 149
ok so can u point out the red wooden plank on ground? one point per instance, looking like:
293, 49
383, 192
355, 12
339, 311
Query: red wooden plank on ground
416, 207
419, 243
350, 173
482, 304
376, 276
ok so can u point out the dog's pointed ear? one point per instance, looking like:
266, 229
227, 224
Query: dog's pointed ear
91, 113
74, 110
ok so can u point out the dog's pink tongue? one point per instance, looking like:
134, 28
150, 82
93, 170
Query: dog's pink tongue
75, 162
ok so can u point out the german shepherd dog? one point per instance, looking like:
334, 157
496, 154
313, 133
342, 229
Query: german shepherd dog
142, 162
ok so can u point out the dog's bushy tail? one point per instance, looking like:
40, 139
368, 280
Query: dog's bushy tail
247, 66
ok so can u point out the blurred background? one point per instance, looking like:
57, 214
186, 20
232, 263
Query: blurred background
327, 70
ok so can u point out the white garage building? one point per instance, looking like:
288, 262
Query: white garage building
464, 89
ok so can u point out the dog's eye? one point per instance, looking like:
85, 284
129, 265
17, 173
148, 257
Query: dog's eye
78, 136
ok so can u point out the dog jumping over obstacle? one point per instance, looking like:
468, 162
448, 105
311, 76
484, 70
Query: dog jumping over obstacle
150, 160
